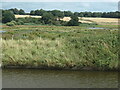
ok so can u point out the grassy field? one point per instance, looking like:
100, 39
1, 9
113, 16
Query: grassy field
61, 47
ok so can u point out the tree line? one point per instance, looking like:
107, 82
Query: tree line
8, 17
50, 17
59, 13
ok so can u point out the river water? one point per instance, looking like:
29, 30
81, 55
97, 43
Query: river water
35, 78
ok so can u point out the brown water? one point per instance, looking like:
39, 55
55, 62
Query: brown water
32, 78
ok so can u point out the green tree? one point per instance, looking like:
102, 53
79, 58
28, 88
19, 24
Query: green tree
48, 18
74, 21
58, 13
39, 12
76, 14
32, 12
68, 13
21, 12
15, 10
7, 16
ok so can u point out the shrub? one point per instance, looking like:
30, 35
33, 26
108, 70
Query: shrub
14, 22
73, 22
20, 23
10, 24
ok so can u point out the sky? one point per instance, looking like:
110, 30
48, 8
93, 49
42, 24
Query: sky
80, 6
60, 0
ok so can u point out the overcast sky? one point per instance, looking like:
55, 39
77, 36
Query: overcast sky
76, 6
59, 0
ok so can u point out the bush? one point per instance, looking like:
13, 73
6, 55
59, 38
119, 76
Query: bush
20, 23
10, 24
73, 22
14, 22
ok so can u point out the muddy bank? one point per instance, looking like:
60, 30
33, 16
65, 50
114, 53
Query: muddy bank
86, 68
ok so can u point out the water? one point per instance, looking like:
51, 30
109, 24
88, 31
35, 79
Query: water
32, 78
96, 28
2, 31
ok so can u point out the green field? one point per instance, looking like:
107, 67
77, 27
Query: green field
61, 47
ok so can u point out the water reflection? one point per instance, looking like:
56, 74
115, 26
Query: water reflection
17, 78
2, 31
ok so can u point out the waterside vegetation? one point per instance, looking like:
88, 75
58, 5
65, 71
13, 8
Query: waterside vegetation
61, 47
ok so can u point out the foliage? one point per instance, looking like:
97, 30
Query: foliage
10, 24
15, 10
7, 16
73, 21
68, 13
61, 47
48, 18
60, 14
21, 12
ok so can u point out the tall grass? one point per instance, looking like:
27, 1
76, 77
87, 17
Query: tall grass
71, 48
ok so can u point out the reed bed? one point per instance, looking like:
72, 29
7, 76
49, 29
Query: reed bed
67, 48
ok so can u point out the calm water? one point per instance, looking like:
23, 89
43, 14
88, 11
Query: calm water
31, 78
96, 28
2, 31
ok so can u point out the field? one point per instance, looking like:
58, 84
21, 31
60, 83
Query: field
23, 16
102, 21
61, 47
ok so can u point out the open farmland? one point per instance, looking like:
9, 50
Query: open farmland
81, 19
101, 20
23, 16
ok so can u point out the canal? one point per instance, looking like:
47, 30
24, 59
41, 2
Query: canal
32, 78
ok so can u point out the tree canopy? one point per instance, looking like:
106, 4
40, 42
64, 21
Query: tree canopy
52, 16
74, 21
7, 16
60, 14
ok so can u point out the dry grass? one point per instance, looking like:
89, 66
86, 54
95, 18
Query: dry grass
66, 19
23, 16
102, 20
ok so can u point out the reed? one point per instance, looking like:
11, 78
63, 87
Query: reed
63, 48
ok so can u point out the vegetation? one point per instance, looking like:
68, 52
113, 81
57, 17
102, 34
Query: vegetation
61, 47
74, 21
49, 42
10, 24
53, 17
7, 16
59, 13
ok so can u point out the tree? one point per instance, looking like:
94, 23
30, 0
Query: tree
21, 12
68, 13
57, 13
32, 12
76, 14
48, 18
74, 21
15, 10
39, 12
7, 16
81, 15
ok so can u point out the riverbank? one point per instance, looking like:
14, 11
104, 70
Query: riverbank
57, 47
